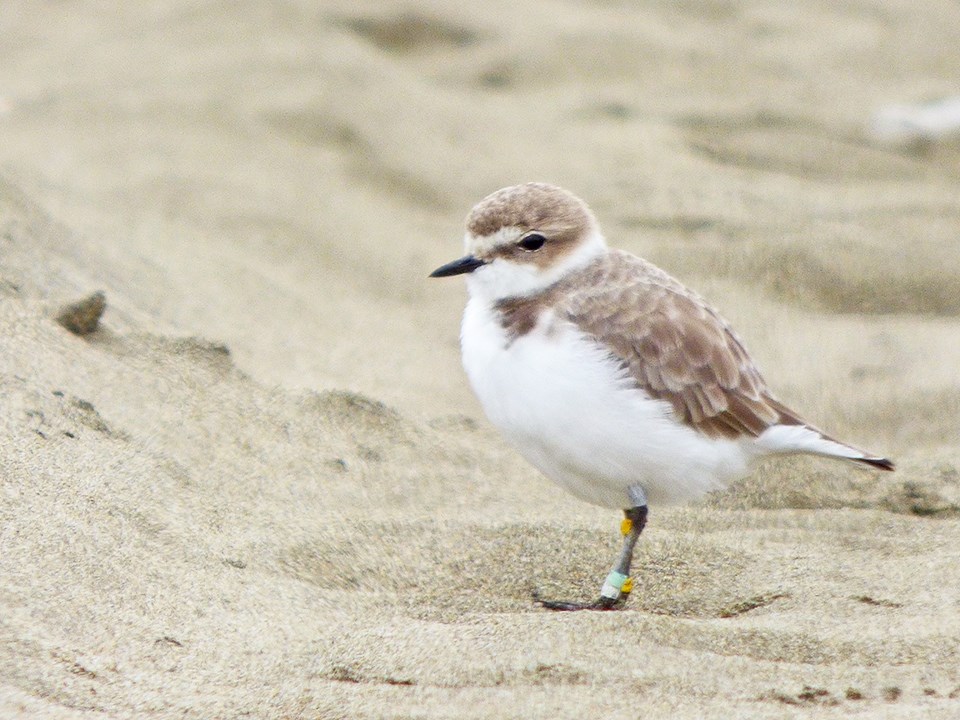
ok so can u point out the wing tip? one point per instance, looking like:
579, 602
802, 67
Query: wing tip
805, 439
878, 462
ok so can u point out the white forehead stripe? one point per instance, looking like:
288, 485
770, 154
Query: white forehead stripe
480, 246
504, 278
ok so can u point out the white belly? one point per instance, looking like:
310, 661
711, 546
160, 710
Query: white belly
564, 403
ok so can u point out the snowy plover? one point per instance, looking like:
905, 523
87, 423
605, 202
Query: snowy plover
608, 375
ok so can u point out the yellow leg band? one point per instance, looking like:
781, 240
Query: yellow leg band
626, 525
627, 586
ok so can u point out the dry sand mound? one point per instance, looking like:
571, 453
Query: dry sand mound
260, 486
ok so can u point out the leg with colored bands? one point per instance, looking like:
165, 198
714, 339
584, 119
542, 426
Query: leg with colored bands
617, 586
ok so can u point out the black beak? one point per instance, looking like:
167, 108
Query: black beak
458, 267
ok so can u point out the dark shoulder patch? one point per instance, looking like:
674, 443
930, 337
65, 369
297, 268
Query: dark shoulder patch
519, 316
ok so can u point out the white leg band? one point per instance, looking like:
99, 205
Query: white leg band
612, 585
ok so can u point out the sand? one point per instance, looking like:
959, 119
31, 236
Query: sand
259, 486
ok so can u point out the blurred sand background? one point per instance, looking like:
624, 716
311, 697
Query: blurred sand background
262, 487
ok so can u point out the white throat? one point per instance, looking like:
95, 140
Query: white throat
502, 279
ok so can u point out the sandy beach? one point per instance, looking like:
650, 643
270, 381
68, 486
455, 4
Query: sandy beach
261, 486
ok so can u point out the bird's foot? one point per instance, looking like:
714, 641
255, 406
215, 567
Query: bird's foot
604, 603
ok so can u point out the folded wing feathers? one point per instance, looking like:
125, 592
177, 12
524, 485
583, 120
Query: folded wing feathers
678, 349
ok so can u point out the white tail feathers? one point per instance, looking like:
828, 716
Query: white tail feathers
804, 439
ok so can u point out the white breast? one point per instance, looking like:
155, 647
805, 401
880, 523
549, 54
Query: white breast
564, 403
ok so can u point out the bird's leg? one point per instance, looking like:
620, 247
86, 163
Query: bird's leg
616, 588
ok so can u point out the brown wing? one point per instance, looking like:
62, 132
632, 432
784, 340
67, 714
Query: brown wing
674, 345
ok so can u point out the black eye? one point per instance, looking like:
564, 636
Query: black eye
532, 242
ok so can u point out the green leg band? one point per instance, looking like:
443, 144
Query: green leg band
613, 584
